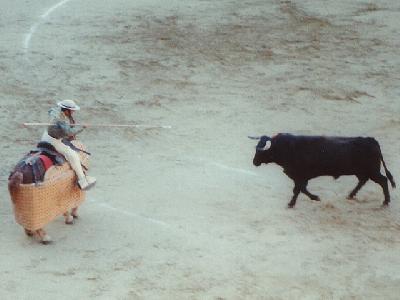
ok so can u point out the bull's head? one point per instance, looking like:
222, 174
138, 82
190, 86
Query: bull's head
263, 152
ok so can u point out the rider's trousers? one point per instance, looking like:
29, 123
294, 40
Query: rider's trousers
70, 155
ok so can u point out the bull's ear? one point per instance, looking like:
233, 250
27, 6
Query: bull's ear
267, 145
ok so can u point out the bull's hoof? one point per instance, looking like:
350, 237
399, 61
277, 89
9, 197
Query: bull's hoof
316, 198
385, 204
290, 205
349, 197
75, 216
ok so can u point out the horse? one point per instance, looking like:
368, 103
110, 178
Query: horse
31, 170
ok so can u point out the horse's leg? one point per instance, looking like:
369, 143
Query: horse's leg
44, 238
69, 220
74, 212
28, 232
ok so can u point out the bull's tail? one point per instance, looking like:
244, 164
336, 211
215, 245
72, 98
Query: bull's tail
388, 174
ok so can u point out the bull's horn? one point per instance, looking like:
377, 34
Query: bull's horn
267, 145
254, 137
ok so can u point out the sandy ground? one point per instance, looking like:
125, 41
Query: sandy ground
181, 213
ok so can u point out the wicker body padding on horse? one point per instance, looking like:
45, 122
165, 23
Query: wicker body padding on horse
37, 205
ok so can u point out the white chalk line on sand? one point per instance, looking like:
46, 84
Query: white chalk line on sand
220, 166
34, 27
130, 214
158, 222
236, 170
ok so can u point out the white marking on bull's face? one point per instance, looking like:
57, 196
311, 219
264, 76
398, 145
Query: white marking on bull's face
267, 145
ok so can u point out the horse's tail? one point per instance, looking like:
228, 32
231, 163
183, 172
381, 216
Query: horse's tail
15, 180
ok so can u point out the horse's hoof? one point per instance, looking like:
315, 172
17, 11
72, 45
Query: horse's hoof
316, 198
290, 205
69, 220
385, 204
46, 240
75, 216
28, 232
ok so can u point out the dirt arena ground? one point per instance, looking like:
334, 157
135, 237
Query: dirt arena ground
182, 213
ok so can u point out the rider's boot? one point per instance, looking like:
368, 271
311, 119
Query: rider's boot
86, 182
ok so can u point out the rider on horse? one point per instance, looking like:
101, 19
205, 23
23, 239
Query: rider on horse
62, 127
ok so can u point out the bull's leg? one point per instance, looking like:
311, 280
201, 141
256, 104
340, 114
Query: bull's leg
43, 237
306, 192
69, 220
361, 182
74, 212
296, 191
382, 181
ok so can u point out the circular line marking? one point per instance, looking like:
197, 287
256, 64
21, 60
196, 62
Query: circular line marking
34, 27
130, 214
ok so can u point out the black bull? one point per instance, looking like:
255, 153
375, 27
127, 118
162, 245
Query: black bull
305, 157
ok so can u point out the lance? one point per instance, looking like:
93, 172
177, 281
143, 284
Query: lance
106, 125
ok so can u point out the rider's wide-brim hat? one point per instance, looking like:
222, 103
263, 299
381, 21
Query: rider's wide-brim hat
68, 104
